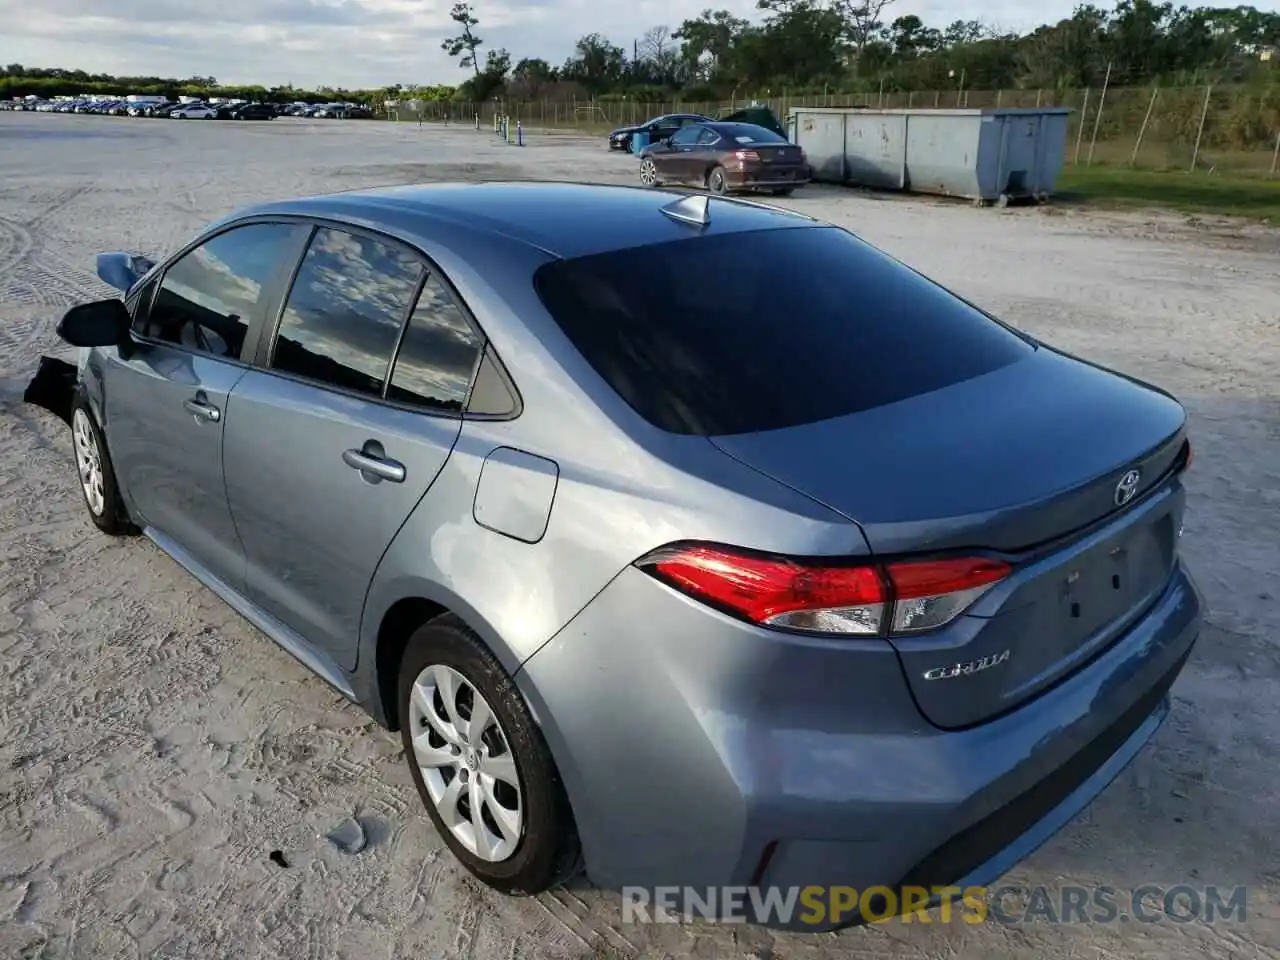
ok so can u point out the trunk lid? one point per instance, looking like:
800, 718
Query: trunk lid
780, 154
1025, 461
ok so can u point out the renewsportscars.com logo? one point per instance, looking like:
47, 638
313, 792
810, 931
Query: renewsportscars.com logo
1006, 905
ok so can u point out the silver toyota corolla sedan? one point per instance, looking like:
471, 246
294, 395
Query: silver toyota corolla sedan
692, 540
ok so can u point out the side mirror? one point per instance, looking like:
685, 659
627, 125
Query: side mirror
104, 323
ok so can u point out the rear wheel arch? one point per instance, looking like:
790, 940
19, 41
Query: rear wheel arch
398, 625
396, 628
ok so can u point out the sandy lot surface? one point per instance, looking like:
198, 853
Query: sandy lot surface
156, 748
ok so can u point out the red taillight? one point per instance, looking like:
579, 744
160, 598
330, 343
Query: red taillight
863, 599
1186, 455
747, 155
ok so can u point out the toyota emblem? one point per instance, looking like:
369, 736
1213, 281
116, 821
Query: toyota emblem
1127, 488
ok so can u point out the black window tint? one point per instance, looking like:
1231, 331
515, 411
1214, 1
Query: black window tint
437, 355
767, 329
345, 309
208, 297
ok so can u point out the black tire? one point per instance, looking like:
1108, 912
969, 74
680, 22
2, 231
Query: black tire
548, 851
113, 519
717, 181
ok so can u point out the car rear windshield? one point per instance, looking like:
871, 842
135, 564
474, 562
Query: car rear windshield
748, 133
761, 330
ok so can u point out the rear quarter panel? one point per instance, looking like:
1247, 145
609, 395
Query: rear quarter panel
624, 488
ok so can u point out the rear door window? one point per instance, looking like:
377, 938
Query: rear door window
761, 330
438, 354
343, 316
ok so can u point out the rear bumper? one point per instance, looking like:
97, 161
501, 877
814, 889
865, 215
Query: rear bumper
691, 744
767, 179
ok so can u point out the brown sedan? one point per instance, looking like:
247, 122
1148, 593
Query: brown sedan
724, 157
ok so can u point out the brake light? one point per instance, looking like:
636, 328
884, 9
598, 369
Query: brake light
1186, 455
855, 599
747, 155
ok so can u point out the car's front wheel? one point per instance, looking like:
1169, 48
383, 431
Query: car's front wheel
96, 474
649, 172
480, 763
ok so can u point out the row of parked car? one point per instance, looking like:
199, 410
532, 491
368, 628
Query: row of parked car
192, 110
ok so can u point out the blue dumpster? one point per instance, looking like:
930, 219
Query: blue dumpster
639, 140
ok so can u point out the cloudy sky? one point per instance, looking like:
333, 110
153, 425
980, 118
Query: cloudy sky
363, 43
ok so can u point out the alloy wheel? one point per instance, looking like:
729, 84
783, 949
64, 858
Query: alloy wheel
89, 462
466, 763
648, 172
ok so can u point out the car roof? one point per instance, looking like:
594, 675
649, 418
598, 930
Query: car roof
674, 116
562, 219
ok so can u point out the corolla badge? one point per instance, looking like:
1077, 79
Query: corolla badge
968, 668
1127, 487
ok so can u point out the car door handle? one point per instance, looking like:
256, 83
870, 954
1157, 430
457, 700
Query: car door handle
382, 468
202, 410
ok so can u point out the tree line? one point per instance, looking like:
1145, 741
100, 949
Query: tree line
801, 47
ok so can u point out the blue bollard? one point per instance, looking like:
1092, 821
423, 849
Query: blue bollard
519, 134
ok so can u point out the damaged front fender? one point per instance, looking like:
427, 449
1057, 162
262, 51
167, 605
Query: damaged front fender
53, 388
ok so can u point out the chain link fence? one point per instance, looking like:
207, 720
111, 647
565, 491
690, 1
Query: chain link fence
1224, 129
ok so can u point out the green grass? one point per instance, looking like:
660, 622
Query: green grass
1217, 193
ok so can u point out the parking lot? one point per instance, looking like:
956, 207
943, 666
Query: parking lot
157, 750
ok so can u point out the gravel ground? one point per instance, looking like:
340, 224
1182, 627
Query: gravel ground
157, 749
